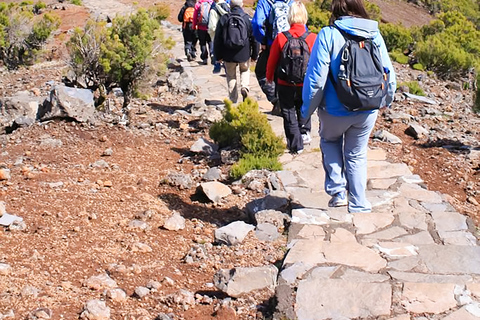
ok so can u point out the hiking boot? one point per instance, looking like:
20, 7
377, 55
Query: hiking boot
205, 61
338, 200
306, 138
244, 91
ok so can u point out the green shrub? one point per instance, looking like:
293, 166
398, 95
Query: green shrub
250, 162
396, 37
76, 2
414, 87
160, 11
39, 6
476, 106
244, 126
399, 57
122, 55
418, 66
22, 34
317, 18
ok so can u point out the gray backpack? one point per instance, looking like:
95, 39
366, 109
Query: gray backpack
362, 80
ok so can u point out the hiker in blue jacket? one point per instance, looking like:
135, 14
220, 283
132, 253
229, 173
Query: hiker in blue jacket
344, 134
259, 27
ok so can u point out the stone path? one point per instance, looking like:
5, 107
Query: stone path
413, 257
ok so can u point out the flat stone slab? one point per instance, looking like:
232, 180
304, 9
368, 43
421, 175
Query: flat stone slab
450, 259
385, 170
319, 298
428, 297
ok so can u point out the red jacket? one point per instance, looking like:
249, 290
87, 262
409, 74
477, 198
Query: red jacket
296, 30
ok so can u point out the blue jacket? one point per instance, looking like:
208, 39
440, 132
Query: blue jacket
318, 90
260, 16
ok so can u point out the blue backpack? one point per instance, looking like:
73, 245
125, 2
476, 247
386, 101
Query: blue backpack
277, 21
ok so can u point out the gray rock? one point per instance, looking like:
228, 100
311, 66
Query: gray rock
142, 292
181, 82
66, 102
2, 208
50, 142
22, 107
175, 222
29, 291
233, 233
7, 219
5, 269
95, 310
204, 146
277, 218
163, 316
276, 200
4, 174
180, 180
215, 190
416, 131
138, 224
213, 174
107, 152
420, 98
100, 282
428, 297
266, 232
239, 281
41, 313
386, 136
117, 294
100, 164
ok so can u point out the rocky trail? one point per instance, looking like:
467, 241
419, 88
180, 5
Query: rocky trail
140, 221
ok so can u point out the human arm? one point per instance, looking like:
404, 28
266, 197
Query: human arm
388, 67
212, 22
273, 58
180, 14
218, 46
316, 75
258, 20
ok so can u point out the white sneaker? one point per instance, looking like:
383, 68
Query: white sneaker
306, 138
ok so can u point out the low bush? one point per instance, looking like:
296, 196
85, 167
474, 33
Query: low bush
399, 57
245, 127
413, 87
22, 33
397, 37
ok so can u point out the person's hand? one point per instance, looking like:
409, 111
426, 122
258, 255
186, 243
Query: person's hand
253, 60
263, 47
220, 60
269, 82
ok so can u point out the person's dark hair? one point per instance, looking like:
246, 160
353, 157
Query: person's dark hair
354, 8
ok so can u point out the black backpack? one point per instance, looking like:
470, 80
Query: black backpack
235, 31
362, 80
294, 59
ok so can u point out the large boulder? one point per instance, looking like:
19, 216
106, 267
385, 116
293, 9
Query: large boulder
18, 108
66, 102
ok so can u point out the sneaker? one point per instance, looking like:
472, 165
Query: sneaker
205, 61
338, 200
306, 138
244, 92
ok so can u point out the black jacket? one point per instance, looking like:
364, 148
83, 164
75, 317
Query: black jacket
188, 4
250, 50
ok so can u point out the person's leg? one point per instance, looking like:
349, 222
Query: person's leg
188, 41
356, 144
244, 78
210, 49
202, 37
231, 73
286, 98
332, 130
261, 75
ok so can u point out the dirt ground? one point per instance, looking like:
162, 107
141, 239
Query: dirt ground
79, 213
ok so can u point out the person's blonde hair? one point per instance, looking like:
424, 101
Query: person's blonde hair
297, 13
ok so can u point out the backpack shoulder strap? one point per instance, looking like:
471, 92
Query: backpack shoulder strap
305, 35
288, 35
